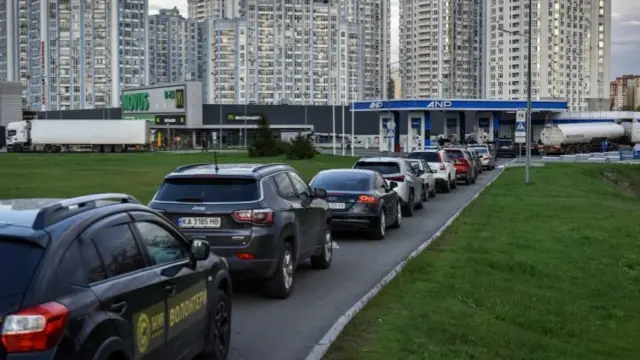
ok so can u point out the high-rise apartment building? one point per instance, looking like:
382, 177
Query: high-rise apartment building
75, 54
571, 50
441, 48
201, 10
625, 93
298, 52
173, 48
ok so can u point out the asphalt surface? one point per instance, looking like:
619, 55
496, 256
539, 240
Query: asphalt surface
265, 329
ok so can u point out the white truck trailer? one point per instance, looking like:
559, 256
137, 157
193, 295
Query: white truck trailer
53, 136
586, 137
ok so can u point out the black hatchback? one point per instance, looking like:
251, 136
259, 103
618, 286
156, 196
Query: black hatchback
103, 277
262, 218
360, 200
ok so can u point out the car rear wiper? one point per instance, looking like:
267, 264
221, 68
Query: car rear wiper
190, 199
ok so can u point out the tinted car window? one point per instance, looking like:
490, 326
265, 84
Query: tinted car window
118, 250
344, 181
209, 190
18, 262
481, 150
383, 168
161, 246
456, 154
92, 263
284, 186
505, 143
300, 185
68, 266
426, 156
380, 183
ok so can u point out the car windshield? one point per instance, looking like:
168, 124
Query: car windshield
342, 181
209, 189
429, 156
481, 150
20, 259
456, 154
505, 143
384, 168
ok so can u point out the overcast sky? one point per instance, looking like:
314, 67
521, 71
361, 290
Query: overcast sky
625, 37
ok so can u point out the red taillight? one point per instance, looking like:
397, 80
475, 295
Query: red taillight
245, 256
255, 216
442, 167
34, 329
366, 199
396, 178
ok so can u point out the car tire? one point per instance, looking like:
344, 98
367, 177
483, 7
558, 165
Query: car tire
468, 180
322, 261
396, 224
446, 188
219, 334
454, 184
432, 193
379, 227
425, 192
279, 285
408, 209
473, 181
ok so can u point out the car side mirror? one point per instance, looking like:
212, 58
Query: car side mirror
320, 193
433, 171
200, 250
420, 172
393, 185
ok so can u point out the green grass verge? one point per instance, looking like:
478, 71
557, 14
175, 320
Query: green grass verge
68, 175
549, 270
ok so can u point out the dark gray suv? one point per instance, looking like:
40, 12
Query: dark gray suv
263, 219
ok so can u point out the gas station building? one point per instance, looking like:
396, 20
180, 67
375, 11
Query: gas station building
490, 118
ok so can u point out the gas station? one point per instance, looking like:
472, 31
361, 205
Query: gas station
490, 118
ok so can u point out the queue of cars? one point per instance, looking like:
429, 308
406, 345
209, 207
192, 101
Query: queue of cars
104, 277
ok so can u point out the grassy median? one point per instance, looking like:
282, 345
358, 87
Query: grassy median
67, 175
545, 271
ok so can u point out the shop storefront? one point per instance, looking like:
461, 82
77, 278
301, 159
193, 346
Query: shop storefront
174, 111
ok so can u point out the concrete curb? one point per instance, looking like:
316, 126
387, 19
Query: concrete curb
320, 349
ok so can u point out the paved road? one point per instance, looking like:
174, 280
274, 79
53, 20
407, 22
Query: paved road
265, 329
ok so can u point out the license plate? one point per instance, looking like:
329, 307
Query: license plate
199, 222
337, 205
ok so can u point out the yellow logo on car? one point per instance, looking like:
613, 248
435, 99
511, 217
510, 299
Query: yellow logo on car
143, 333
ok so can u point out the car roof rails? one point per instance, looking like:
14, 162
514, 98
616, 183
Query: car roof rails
189, 166
266, 166
64, 209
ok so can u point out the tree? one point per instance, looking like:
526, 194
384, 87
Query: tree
264, 144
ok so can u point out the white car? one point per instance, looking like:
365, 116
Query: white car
427, 175
398, 170
439, 161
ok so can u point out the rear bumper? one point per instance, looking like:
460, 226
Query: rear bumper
263, 247
352, 222
463, 175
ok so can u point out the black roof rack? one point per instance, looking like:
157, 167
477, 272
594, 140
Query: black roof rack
63, 209
189, 166
265, 166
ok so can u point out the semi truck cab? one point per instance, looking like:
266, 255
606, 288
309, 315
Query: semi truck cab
18, 136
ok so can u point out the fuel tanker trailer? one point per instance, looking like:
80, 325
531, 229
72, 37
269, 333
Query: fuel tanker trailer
581, 138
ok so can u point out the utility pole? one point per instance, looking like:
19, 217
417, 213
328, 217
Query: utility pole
529, 87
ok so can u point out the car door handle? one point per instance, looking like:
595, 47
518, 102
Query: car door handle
118, 307
170, 289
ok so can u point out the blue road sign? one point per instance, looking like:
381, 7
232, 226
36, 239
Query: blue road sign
520, 127
391, 133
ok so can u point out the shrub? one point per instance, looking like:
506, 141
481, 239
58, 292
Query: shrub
301, 148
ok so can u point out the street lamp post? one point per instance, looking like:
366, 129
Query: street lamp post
529, 38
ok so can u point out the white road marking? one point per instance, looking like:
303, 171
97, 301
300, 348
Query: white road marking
335, 245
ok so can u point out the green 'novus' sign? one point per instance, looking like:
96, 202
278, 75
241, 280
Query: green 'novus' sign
135, 102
